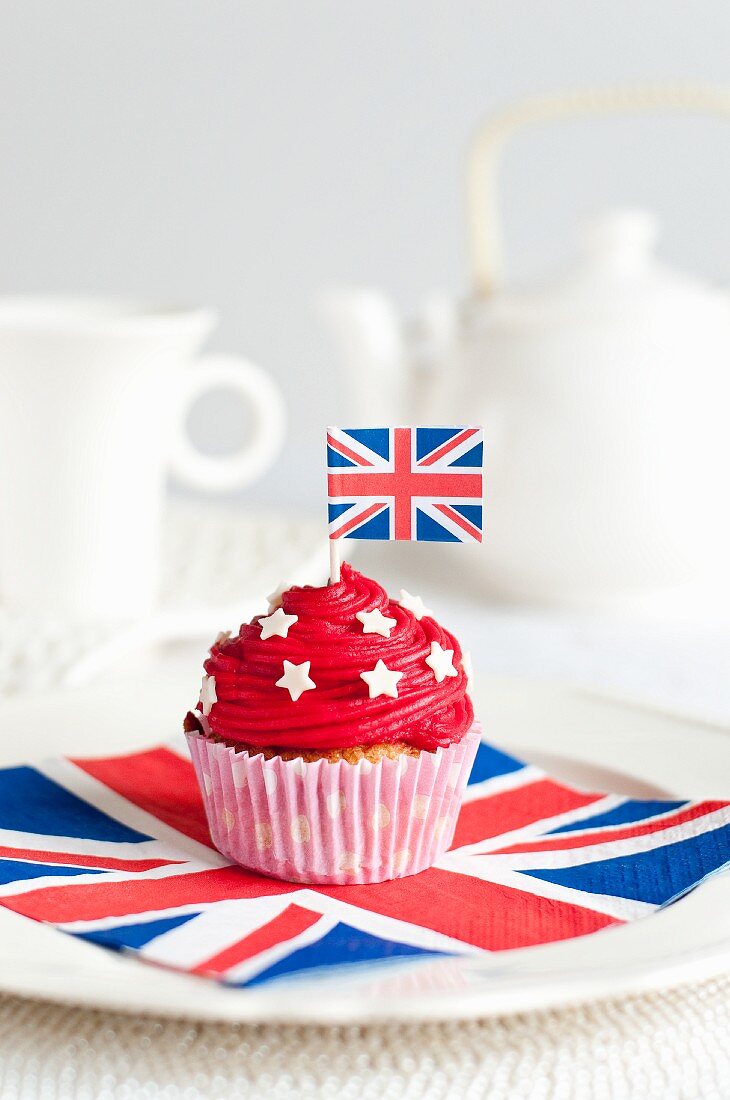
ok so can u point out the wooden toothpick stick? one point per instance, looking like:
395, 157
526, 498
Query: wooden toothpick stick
335, 561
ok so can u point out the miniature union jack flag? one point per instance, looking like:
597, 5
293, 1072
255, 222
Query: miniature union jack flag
417, 484
116, 852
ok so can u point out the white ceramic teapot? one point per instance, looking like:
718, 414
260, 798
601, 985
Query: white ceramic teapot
604, 393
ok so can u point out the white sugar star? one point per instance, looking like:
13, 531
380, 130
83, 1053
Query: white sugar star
375, 622
296, 679
277, 625
382, 681
441, 661
274, 597
207, 694
414, 604
468, 669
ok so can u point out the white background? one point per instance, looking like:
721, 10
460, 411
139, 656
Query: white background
244, 155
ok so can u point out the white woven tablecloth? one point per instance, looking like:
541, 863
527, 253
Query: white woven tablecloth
670, 1045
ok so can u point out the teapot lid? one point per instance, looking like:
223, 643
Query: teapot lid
616, 272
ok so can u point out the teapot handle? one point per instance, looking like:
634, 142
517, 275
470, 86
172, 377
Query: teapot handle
486, 151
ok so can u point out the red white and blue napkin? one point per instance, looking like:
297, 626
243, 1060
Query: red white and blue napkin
116, 851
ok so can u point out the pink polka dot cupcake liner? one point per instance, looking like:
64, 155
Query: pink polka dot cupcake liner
332, 823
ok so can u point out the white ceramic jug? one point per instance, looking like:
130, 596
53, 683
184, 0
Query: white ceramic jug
94, 396
603, 392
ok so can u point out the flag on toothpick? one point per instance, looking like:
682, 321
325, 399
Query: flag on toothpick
417, 484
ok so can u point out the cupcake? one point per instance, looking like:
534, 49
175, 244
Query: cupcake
334, 736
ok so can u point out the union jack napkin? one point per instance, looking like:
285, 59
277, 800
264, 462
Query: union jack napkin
116, 851
417, 484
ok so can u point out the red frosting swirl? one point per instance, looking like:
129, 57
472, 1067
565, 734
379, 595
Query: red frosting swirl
338, 713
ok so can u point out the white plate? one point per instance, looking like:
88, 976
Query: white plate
592, 741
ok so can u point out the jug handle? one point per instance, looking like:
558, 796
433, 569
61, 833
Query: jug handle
484, 222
